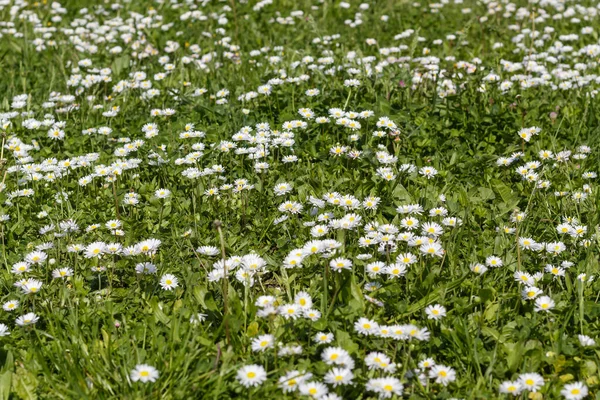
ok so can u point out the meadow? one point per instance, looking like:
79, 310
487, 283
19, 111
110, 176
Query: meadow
299, 199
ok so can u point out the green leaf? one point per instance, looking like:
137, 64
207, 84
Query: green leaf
159, 315
357, 295
6, 377
25, 384
120, 64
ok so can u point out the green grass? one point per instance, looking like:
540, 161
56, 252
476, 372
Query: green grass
95, 326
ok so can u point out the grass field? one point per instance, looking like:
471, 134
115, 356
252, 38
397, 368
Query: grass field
293, 199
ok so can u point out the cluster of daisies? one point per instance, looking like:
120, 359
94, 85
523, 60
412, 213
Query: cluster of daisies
533, 382
225, 150
340, 373
40, 261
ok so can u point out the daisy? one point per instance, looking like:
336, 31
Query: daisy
315, 390
11, 305
334, 355
208, 250
262, 343
544, 303
36, 257
31, 286
432, 249
290, 311
428, 172
530, 293
524, 277
148, 247
323, 338
375, 268
509, 387
265, 301
478, 268
291, 380
20, 267
427, 363
406, 258
376, 360
162, 193
435, 312
574, 391
282, 188
409, 223
95, 249
493, 261
251, 375
340, 264
145, 268
197, 318
531, 381
144, 373
27, 319
442, 374
62, 273
431, 229
169, 282
395, 270
311, 314
586, 341
365, 326
4, 330
113, 224
385, 387
338, 376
